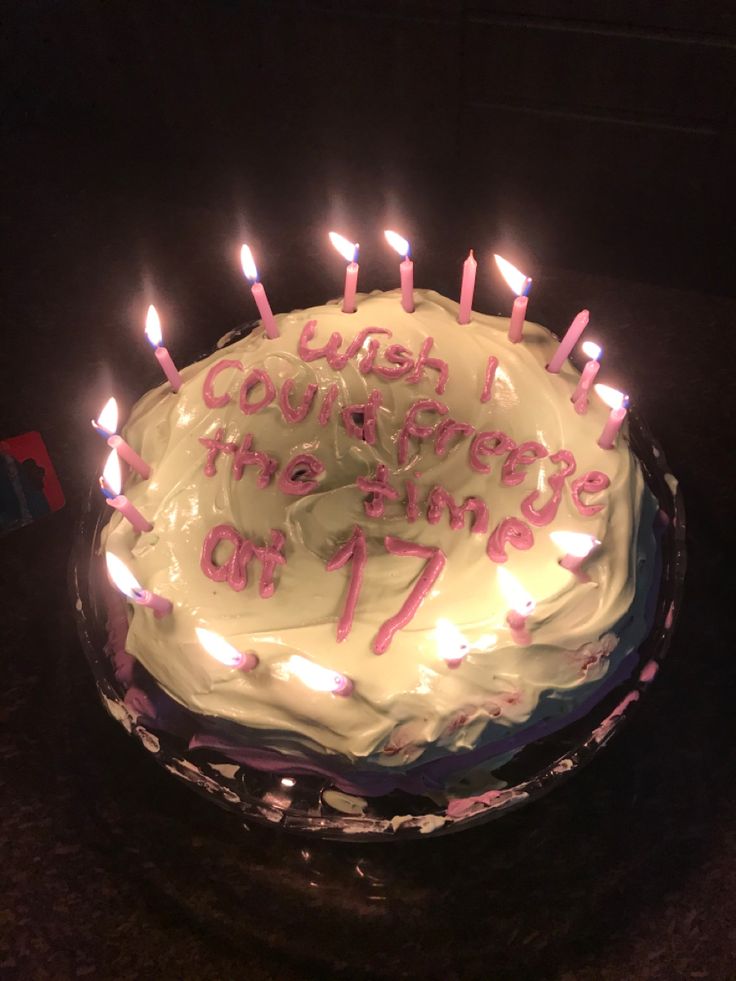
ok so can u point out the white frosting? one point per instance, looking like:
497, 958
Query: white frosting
408, 698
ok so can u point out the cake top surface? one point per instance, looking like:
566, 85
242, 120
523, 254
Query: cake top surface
313, 485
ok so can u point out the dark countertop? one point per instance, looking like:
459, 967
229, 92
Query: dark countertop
110, 868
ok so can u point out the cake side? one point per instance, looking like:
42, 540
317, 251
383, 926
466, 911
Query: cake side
408, 703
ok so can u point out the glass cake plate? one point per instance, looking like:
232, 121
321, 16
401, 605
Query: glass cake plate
309, 803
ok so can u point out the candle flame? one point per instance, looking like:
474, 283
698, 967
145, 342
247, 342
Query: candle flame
249, 264
452, 645
107, 420
591, 350
120, 576
611, 396
515, 279
348, 250
313, 675
111, 475
514, 593
222, 651
398, 242
153, 326
574, 543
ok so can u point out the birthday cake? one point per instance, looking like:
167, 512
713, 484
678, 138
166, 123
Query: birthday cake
387, 548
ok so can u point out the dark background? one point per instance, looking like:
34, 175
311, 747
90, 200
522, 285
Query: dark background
591, 143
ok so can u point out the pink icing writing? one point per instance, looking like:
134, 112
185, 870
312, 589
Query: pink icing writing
379, 490
489, 444
208, 394
522, 456
235, 570
489, 379
331, 350
590, 483
439, 499
299, 413
256, 377
215, 445
246, 456
510, 531
412, 507
399, 356
445, 433
327, 402
435, 563
547, 513
299, 475
424, 361
353, 551
368, 414
411, 428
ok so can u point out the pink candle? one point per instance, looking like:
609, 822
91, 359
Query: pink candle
467, 289
517, 625
129, 511
577, 547
259, 293
522, 606
224, 652
111, 484
519, 284
349, 251
618, 402
105, 425
127, 453
161, 607
406, 269
153, 332
588, 376
123, 579
569, 341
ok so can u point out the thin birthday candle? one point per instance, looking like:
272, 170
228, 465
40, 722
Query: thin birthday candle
110, 484
406, 269
521, 606
224, 652
259, 294
588, 376
123, 579
569, 341
618, 403
106, 425
577, 546
349, 252
519, 284
467, 289
153, 333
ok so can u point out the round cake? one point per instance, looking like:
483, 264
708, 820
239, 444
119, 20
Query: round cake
363, 527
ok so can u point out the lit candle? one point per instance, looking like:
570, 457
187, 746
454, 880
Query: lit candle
519, 284
313, 675
467, 289
452, 646
224, 652
521, 606
569, 341
406, 269
153, 333
111, 483
617, 402
259, 294
577, 547
349, 251
106, 425
123, 579
580, 395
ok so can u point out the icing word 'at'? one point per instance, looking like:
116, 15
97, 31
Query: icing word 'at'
235, 570
300, 475
354, 551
